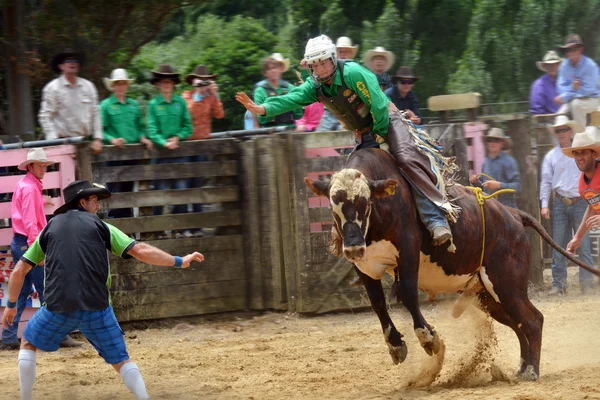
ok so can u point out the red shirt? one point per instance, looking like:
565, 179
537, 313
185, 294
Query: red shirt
591, 191
202, 113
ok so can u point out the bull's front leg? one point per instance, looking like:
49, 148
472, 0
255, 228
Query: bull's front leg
393, 338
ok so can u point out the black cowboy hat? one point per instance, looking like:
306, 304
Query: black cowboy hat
404, 72
200, 72
60, 57
79, 190
572, 41
165, 71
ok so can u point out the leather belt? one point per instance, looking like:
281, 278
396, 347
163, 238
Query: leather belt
567, 201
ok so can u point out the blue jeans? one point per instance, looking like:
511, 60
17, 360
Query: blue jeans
328, 123
431, 215
565, 221
197, 182
164, 184
118, 187
18, 246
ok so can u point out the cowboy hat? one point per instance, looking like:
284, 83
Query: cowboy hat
78, 190
550, 57
582, 141
200, 72
572, 40
563, 120
379, 51
404, 72
165, 71
497, 133
118, 74
344, 42
279, 58
60, 58
35, 155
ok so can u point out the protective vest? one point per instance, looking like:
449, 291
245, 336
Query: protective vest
347, 105
281, 119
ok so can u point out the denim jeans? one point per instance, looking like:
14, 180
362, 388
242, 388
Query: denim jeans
197, 182
431, 215
565, 221
118, 187
328, 123
18, 247
164, 184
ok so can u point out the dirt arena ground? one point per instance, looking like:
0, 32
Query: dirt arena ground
336, 356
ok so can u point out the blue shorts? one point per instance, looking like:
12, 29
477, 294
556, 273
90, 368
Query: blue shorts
45, 330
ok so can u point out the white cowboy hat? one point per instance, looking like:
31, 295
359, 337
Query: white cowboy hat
35, 155
563, 120
279, 58
344, 42
584, 140
497, 133
379, 51
118, 74
550, 57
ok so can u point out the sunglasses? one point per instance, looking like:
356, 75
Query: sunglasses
70, 60
407, 81
563, 130
494, 140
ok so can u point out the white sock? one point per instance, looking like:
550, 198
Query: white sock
26, 373
132, 378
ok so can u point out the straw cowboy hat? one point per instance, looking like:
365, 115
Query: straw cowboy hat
563, 120
497, 133
200, 72
116, 75
62, 56
404, 73
165, 71
379, 51
78, 190
279, 58
35, 155
582, 141
550, 57
344, 42
572, 40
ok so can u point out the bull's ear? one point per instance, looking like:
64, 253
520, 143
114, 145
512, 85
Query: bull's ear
383, 188
318, 187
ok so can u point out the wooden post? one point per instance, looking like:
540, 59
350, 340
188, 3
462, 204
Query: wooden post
84, 162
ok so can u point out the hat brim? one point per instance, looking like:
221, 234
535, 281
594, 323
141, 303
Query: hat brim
353, 48
24, 164
102, 194
574, 125
540, 64
396, 78
569, 150
157, 76
389, 56
190, 78
108, 83
57, 60
285, 62
507, 141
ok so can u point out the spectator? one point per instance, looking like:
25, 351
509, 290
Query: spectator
578, 88
502, 168
379, 61
69, 103
345, 52
543, 90
169, 122
560, 180
122, 124
272, 68
28, 220
311, 119
402, 95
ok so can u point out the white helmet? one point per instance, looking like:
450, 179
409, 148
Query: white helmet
319, 49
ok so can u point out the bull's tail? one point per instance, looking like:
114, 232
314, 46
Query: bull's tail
528, 220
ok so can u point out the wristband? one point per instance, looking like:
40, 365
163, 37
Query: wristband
576, 237
11, 304
178, 262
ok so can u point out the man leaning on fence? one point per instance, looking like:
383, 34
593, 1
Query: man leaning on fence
69, 103
28, 220
560, 180
543, 90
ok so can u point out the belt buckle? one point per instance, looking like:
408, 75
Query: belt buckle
566, 201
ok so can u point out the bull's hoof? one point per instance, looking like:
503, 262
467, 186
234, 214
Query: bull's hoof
398, 353
529, 374
430, 341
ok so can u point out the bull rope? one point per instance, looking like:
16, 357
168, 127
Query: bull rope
481, 198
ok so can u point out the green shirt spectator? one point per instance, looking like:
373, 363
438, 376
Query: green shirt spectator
168, 119
261, 94
121, 120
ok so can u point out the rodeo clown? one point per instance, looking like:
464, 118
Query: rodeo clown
351, 93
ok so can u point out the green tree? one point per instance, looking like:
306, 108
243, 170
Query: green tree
333, 21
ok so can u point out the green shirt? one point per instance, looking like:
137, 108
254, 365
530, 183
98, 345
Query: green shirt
121, 120
260, 95
166, 120
356, 77
77, 271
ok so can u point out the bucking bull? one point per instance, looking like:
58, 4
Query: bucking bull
375, 215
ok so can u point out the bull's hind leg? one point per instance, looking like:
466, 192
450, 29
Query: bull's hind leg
496, 311
393, 338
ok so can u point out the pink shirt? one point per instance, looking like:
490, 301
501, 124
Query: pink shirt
312, 117
27, 208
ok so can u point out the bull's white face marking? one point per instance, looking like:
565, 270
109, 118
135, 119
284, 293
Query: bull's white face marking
433, 279
489, 286
380, 257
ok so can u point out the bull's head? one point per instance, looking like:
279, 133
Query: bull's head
351, 194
